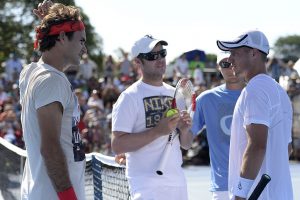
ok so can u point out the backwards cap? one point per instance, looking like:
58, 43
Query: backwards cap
254, 39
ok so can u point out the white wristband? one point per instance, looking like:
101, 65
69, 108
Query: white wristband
242, 188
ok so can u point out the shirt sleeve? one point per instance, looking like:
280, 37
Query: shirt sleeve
124, 114
49, 88
198, 120
257, 107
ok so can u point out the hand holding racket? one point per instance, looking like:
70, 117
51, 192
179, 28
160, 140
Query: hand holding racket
265, 179
184, 99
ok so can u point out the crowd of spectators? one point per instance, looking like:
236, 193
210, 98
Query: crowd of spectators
97, 90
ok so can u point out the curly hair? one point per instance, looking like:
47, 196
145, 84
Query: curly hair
57, 14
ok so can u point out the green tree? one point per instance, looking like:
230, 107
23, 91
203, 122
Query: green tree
211, 57
17, 29
288, 47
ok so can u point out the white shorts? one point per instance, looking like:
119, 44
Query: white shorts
220, 195
160, 193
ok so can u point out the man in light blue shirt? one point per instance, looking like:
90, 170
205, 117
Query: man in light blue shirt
214, 110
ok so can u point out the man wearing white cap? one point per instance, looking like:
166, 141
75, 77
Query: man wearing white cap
261, 124
141, 131
214, 110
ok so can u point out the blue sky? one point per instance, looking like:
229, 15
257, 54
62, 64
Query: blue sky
188, 24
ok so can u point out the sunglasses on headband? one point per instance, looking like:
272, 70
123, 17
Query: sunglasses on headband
153, 55
224, 64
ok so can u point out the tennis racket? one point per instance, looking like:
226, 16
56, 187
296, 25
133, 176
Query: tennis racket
265, 179
184, 99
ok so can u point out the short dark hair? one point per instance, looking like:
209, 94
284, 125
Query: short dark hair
264, 57
49, 41
263, 54
141, 59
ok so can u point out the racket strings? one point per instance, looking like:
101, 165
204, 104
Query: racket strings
184, 95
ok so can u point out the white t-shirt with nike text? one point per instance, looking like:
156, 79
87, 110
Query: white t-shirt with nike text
139, 108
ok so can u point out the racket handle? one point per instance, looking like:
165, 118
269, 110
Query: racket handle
265, 179
162, 163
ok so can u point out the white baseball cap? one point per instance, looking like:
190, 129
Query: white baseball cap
145, 45
254, 39
221, 55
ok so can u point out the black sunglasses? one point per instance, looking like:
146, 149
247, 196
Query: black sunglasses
153, 55
224, 64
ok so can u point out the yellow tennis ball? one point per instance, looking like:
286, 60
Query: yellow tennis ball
171, 112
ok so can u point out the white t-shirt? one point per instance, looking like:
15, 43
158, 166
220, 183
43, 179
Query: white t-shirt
138, 108
198, 77
12, 69
263, 101
86, 69
41, 84
182, 66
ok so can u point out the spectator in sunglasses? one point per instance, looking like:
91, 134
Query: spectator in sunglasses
214, 110
261, 124
140, 129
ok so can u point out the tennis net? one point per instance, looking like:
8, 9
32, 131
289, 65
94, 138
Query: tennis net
104, 179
